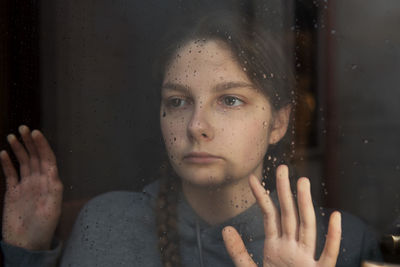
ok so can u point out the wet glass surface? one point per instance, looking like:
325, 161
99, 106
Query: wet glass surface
95, 66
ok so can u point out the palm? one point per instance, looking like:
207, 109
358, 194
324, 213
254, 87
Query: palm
290, 235
283, 253
32, 204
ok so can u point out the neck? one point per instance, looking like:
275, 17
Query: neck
219, 203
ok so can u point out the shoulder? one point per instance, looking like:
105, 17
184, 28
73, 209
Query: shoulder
354, 229
122, 203
114, 213
112, 227
117, 203
359, 242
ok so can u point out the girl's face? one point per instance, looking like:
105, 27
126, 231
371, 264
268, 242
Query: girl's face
216, 125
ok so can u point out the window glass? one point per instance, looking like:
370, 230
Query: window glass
127, 92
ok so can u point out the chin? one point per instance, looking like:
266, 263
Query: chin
202, 178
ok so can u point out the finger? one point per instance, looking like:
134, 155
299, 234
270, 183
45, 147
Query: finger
332, 244
372, 264
307, 230
21, 155
9, 170
236, 248
289, 217
28, 142
47, 158
271, 218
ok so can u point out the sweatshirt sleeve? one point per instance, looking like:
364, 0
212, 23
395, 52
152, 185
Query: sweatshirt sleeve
20, 257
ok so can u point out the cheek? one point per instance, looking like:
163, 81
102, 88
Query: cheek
257, 140
173, 128
249, 141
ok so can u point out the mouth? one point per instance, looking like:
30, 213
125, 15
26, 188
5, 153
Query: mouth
200, 158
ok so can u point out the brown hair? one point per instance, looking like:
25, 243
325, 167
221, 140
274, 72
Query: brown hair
263, 55
166, 217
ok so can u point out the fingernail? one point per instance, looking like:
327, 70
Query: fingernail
10, 137
35, 133
22, 128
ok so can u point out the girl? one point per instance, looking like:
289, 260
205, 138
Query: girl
226, 99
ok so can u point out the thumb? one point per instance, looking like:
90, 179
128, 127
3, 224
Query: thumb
236, 248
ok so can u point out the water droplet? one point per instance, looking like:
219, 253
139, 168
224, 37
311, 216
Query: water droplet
333, 32
354, 66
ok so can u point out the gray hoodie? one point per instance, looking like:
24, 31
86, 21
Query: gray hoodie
118, 229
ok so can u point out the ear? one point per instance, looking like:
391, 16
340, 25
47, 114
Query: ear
279, 124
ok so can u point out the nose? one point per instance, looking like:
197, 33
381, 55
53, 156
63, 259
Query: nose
199, 128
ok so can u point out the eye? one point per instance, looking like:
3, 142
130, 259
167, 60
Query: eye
176, 102
232, 101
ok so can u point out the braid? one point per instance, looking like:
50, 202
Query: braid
166, 218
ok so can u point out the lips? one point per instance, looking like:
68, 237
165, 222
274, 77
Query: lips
200, 157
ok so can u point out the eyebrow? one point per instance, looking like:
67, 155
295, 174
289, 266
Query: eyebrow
217, 88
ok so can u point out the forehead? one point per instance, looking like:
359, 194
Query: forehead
204, 62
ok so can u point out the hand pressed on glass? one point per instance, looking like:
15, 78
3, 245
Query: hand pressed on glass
290, 236
32, 204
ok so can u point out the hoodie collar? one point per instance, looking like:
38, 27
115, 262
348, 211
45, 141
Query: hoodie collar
249, 223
